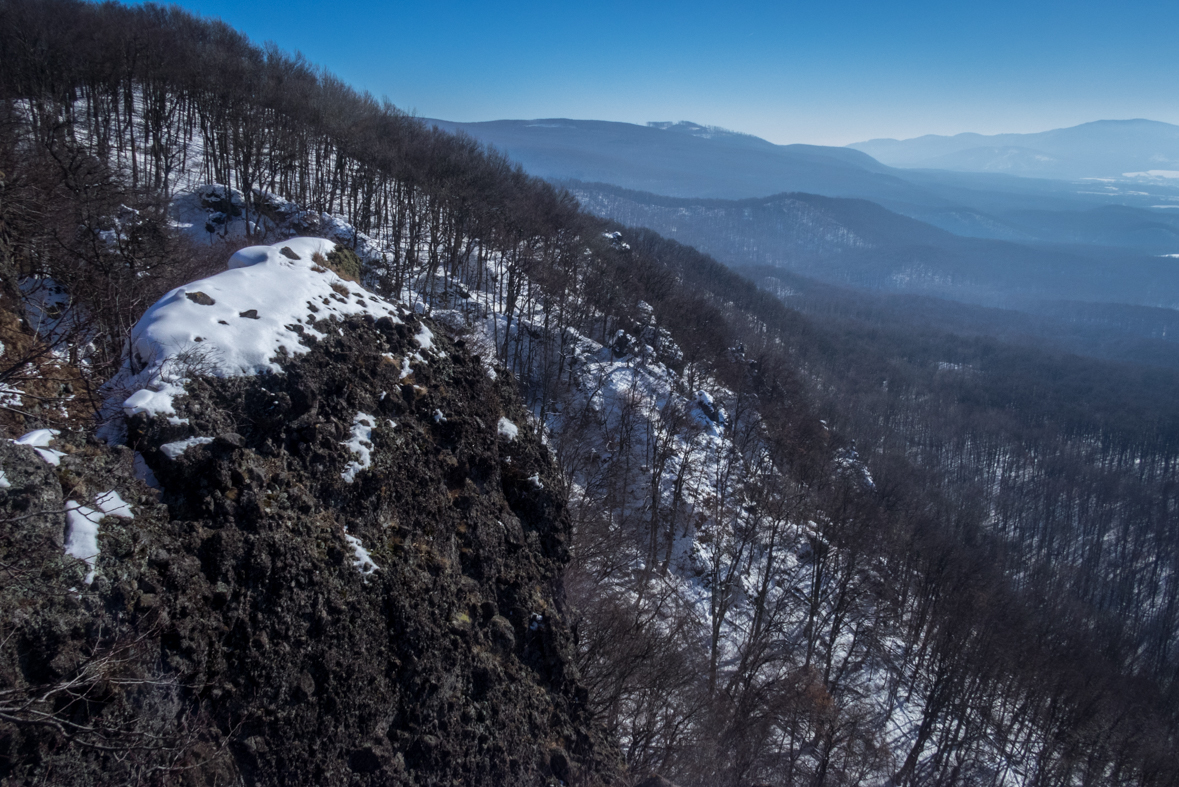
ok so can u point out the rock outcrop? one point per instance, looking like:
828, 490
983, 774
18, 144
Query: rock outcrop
348, 575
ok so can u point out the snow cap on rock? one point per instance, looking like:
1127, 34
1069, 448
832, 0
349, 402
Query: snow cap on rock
239, 322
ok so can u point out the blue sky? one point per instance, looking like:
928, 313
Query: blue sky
817, 72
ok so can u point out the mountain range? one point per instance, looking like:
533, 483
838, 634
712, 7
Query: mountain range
1138, 149
864, 216
693, 161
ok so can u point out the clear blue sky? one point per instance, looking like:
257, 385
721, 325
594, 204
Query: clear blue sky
818, 72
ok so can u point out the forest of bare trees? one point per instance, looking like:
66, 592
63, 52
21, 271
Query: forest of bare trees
1008, 571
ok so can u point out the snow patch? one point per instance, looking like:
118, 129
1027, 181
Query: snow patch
38, 440
175, 449
508, 429
81, 539
10, 397
362, 560
361, 445
156, 400
425, 338
112, 504
238, 322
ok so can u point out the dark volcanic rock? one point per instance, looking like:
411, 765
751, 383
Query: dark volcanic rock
266, 651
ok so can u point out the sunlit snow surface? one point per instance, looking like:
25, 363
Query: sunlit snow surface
112, 504
176, 449
81, 537
238, 322
39, 440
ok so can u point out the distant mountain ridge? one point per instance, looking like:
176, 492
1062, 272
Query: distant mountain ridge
1100, 149
690, 160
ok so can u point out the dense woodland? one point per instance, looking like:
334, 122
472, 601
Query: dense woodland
1013, 563
1139, 335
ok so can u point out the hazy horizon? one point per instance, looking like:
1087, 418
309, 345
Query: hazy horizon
721, 127
829, 75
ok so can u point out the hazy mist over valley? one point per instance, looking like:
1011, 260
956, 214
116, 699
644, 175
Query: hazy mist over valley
355, 431
1095, 222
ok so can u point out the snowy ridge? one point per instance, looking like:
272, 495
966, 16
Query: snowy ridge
651, 447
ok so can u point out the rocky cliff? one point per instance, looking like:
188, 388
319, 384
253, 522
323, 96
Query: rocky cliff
346, 572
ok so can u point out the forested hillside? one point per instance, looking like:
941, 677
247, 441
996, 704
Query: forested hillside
859, 243
1119, 332
800, 554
